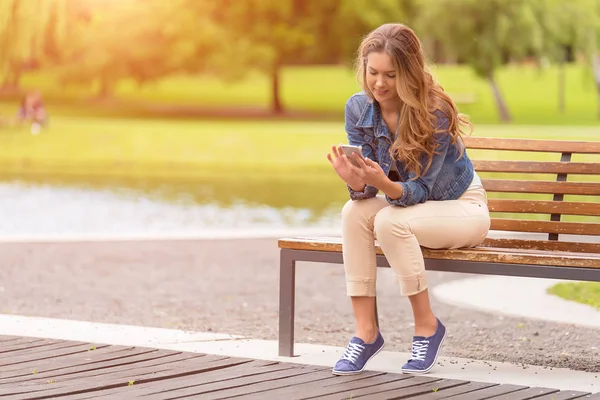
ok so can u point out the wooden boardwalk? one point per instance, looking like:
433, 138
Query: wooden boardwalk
33, 368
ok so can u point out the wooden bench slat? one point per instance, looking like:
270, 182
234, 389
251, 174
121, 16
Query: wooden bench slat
544, 207
524, 225
510, 256
550, 245
536, 145
540, 167
482, 254
521, 186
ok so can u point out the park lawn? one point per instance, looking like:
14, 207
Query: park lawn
581, 292
531, 93
191, 147
173, 147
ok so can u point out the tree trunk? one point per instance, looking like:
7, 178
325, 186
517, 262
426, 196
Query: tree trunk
276, 106
105, 89
9, 66
502, 107
596, 67
561, 87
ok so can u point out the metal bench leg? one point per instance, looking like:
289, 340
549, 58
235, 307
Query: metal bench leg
287, 297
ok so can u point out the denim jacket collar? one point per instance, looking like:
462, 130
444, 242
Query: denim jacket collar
367, 115
370, 117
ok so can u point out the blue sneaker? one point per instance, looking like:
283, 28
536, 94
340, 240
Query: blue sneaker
425, 351
357, 354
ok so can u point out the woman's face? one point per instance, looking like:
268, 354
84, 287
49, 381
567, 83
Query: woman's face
381, 76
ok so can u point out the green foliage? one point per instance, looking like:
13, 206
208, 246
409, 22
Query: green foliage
262, 33
124, 40
99, 43
566, 23
266, 34
26, 30
356, 18
484, 34
492, 33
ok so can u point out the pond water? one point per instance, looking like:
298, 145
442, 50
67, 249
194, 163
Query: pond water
78, 205
73, 206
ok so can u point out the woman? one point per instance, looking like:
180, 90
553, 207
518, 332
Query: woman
410, 134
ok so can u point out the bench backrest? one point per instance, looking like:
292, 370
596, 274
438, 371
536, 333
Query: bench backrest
541, 186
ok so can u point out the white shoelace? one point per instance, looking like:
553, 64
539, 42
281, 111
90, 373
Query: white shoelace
419, 349
353, 351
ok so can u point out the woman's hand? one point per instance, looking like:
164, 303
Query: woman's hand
370, 172
344, 168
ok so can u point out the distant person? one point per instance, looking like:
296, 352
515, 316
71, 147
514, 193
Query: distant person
410, 133
32, 110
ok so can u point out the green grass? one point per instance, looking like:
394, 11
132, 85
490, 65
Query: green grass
186, 147
531, 93
581, 292
196, 146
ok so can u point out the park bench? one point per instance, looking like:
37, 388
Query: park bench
556, 211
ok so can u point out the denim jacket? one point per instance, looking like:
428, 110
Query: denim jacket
447, 178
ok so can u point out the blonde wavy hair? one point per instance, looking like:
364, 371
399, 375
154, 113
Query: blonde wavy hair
420, 96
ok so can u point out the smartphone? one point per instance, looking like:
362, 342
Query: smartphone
349, 151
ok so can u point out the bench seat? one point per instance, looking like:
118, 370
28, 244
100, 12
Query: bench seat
483, 253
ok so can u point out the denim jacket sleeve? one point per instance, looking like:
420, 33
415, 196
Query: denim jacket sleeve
356, 137
418, 190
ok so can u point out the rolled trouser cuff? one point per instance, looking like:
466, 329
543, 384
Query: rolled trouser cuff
361, 287
412, 284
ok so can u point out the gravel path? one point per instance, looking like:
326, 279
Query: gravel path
231, 286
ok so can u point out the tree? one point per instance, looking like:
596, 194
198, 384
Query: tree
263, 35
357, 17
485, 34
143, 41
27, 27
268, 34
566, 30
592, 53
